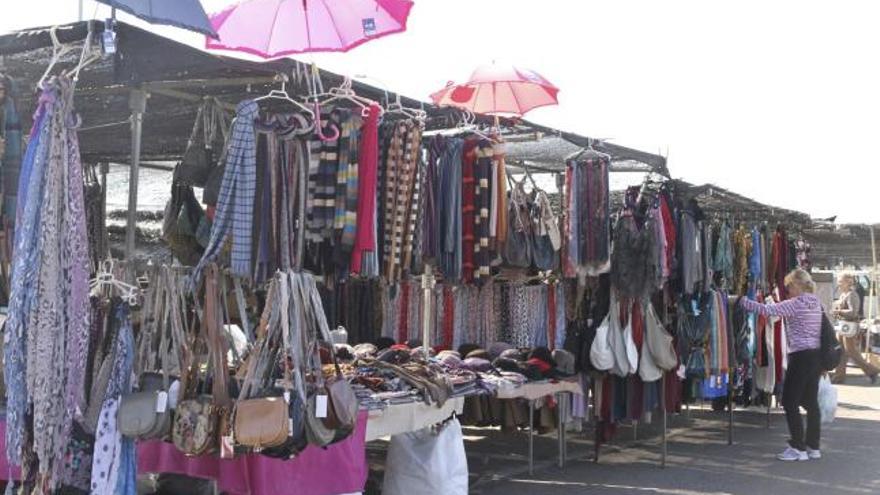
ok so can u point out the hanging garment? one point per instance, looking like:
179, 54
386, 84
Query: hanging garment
483, 255
723, 261
400, 196
365, 241
742, 251
235, 205
449, 206
468, 210
590, 227
633, 267
691, 253
47, 333
10, 148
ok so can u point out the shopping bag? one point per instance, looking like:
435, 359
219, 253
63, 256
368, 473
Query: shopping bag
827, 400
427, 462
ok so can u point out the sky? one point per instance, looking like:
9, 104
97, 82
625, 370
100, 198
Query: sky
777, 100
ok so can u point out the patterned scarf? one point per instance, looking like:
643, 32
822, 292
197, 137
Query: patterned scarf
47, 337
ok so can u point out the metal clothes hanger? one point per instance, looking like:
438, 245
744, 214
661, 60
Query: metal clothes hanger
58, 50
588, 149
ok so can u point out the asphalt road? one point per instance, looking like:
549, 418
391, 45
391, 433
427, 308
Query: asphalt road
700, 462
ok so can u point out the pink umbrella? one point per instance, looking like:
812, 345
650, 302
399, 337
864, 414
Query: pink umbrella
494, 89
276, 28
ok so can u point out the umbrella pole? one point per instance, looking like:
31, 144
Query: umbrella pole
137, 102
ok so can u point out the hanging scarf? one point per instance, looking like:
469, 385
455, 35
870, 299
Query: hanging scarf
235, 203
47, 336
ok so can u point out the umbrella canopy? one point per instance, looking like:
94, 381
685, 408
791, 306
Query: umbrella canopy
494, 89
185, 14
276, 28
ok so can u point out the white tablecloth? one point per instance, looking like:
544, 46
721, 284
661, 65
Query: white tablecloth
404, 418
534, 391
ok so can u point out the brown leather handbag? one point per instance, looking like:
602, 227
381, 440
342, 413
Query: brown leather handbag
263, 422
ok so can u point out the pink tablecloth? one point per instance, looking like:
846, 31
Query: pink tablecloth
340, 468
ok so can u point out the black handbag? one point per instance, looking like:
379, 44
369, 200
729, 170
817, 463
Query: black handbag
206, 143
517, 250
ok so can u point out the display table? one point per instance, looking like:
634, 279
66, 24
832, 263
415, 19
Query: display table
405, 418
535, 391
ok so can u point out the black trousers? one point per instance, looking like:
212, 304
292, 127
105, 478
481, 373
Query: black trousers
801, 389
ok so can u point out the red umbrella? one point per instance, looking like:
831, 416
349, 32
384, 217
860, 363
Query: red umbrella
494, 89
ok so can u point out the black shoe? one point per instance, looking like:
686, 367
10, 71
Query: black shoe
873, 379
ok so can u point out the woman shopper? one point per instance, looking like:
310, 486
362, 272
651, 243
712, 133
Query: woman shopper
803, 316
847, 309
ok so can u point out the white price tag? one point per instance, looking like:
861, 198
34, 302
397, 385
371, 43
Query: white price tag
287, 396
162, 402
290, 427
227, 449
321, 406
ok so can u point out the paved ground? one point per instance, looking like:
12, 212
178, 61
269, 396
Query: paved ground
700, 461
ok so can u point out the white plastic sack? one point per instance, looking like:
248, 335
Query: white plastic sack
827, 400
427, 462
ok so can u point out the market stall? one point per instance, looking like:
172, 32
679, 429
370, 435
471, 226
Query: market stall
133, 114
348, 277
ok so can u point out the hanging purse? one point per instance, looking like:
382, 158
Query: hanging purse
201, 154
200, 419
601, 355
342, 414
659, 341
263, 422
517, 250
545, 254
324, 423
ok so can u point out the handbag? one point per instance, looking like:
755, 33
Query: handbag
544, 228
335, 404
342, 414
200, 157
517, 250
658, 340
201, 419
261, 422
145, 414
601, 355
648, 370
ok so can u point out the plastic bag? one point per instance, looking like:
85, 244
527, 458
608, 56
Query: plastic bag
427, 462
827, 400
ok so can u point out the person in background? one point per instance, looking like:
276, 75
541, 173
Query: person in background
847, 309
803, 317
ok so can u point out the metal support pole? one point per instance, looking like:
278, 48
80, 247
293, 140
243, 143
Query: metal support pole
428, 288
597, 417
105, 242
663, 413
769, 401
137, 102
531, 437
635, 430
560, 425
730, 400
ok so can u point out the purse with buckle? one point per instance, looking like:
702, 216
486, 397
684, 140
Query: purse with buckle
200, 419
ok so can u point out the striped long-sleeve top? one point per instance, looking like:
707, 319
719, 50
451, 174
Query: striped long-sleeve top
803, 318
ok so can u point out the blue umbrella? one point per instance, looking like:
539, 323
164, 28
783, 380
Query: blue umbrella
185, 14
